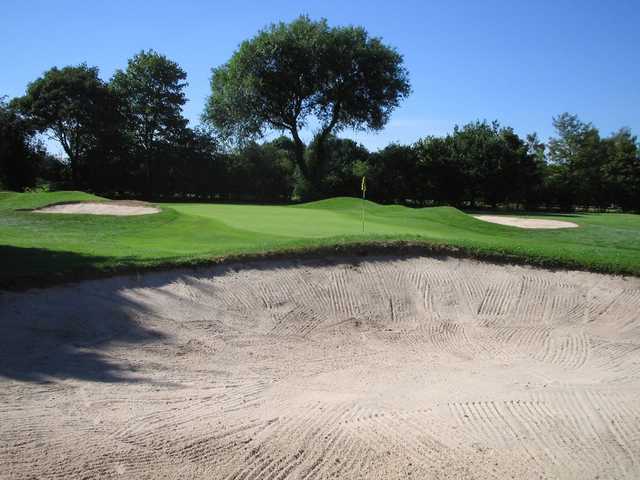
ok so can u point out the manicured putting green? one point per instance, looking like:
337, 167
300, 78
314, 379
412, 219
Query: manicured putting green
55, 245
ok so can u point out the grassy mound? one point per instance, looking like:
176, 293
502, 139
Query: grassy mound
50, 246
13, 201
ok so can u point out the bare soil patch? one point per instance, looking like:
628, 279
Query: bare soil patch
119, 208
384, 368
526, 222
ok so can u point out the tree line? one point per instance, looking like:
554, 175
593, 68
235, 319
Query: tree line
128, 137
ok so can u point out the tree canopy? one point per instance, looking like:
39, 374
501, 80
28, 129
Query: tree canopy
74, 106
303, 74
152, 89
152, 92
19, 154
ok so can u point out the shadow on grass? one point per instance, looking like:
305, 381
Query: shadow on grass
65, 332
24, 266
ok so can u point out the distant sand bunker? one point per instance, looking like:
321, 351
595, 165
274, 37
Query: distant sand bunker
101, 208
526, 222
388, 368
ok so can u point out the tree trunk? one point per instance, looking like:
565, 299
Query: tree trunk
318, 162
149, 183
71, 154
75, 174
299, 149
319, 158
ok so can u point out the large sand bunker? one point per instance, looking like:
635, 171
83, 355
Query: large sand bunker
122, 208
526, 222
389, 368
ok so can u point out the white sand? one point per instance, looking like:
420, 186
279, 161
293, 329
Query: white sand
391, 368
100, 208
525, 222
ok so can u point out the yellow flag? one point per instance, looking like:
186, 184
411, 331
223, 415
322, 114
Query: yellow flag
363, 187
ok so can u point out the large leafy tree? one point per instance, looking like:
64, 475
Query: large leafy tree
307, 74
480, 161
443, 177
578, 155
19, 153
571, 132
152, 93
533, 171
394, 174
74, 106
621, 170
490, 157
346, 162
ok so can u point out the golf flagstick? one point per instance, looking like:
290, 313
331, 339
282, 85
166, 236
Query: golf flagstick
363, 187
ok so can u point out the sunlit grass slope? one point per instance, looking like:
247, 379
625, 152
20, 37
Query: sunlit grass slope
46, 245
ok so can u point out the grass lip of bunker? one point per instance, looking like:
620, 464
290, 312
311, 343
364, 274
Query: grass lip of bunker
520, 222
119, 208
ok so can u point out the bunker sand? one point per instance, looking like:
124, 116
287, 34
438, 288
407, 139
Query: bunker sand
526, 222
385, 368
118, 208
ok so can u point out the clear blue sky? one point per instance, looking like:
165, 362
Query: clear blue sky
518, 62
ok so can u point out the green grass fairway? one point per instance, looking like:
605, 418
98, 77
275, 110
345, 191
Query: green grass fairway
55, 246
